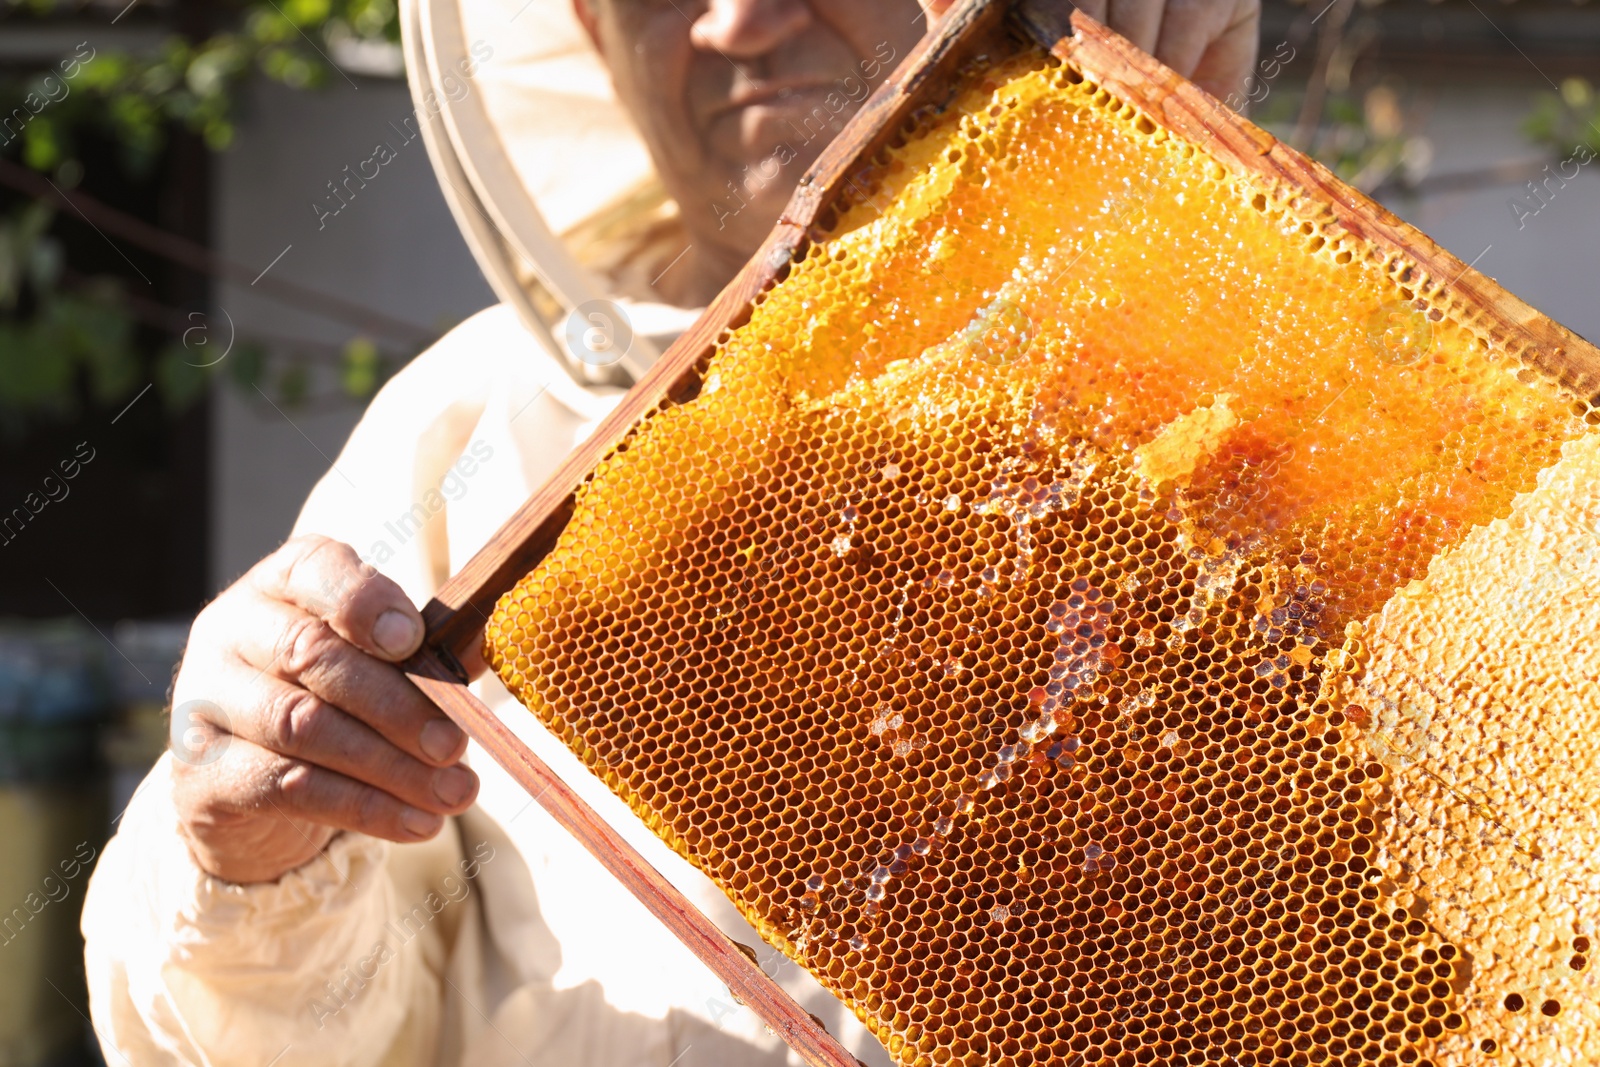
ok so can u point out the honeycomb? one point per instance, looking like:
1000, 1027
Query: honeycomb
1093, 612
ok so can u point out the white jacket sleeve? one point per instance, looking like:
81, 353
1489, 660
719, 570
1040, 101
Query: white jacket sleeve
340, 962
365, 955
312, 969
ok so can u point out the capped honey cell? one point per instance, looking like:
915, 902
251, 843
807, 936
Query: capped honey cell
1004, 623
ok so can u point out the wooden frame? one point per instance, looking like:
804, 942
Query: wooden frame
456, 616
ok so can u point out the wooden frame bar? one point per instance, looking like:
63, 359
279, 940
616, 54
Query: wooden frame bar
456, 616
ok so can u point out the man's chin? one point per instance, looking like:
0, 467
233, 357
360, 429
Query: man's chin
753, 193
761, 167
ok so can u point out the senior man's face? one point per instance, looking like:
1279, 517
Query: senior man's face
735, 98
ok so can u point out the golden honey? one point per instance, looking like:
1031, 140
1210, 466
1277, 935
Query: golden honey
1069, 622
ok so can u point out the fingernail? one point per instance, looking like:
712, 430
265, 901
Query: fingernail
421, 823
395, 633
439, 739
453, 785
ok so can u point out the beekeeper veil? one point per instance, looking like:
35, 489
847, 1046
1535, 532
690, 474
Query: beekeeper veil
547, 178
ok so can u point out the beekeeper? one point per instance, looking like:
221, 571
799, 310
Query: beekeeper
314, 874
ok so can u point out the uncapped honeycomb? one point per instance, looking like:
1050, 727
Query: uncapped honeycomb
1078, 620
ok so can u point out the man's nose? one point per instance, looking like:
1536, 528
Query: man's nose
749, 28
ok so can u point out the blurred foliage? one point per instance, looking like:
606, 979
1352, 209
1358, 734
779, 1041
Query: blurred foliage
138, 97
1367, 128
65, 338
1366, 133
1366, 141
1566, 120
51, 340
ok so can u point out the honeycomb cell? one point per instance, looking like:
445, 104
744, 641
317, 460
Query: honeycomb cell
991, 625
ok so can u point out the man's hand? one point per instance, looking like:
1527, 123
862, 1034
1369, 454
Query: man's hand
1211, 42
291, 722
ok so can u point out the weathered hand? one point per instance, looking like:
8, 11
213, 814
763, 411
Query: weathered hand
291, 721
1211, 42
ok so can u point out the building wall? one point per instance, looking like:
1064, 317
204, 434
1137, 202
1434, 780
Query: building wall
393, 248
1551, 259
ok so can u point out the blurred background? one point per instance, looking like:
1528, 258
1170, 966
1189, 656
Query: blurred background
189, 329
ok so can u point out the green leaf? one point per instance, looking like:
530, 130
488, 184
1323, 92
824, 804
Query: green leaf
218, 134
247, 364
34, 375
1540, 125
103, 333
294, 384
372, 18
291, 67
268, 26
41, 147
1562, 121
93, 332
161, 78
359, 365
1577, 92
138, 124
212, 70
105, 71
304, 13
1344, 110
179, 381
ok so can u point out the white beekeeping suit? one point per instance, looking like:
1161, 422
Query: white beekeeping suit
502, 941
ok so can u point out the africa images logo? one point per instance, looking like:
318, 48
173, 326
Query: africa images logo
1399, 332
598, 333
